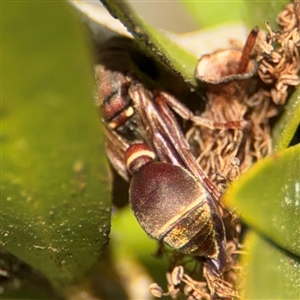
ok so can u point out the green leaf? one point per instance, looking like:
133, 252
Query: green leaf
130, 240
153, 42
55, 210
129, 233
253, 13
268, 271
209, 13
256, 13
268, 198
286, 127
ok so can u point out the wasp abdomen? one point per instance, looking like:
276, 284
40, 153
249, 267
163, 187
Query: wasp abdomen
194, 233
170, 204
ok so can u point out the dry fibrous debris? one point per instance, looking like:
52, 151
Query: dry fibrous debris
279, 66
181, 285
255, 98
246, 98
191, 279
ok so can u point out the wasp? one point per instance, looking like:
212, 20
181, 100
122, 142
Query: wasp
170, 195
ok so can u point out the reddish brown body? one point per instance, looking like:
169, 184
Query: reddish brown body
172, 199
172, 206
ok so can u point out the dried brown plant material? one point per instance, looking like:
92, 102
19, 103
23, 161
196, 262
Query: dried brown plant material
186, 287
177, 275
279, 65
156, 290
250, 89
191, 278
220, 287
228, 80
245, 88
297, 11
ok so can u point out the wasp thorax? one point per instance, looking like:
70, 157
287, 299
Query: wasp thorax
170, 204
117, 111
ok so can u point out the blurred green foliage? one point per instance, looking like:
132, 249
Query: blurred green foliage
55, 208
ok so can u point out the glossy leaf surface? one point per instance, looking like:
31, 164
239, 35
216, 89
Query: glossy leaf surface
286, 127
269, 272
55, 211
153, 42
268, 198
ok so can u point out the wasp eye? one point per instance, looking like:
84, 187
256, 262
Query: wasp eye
137, 155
